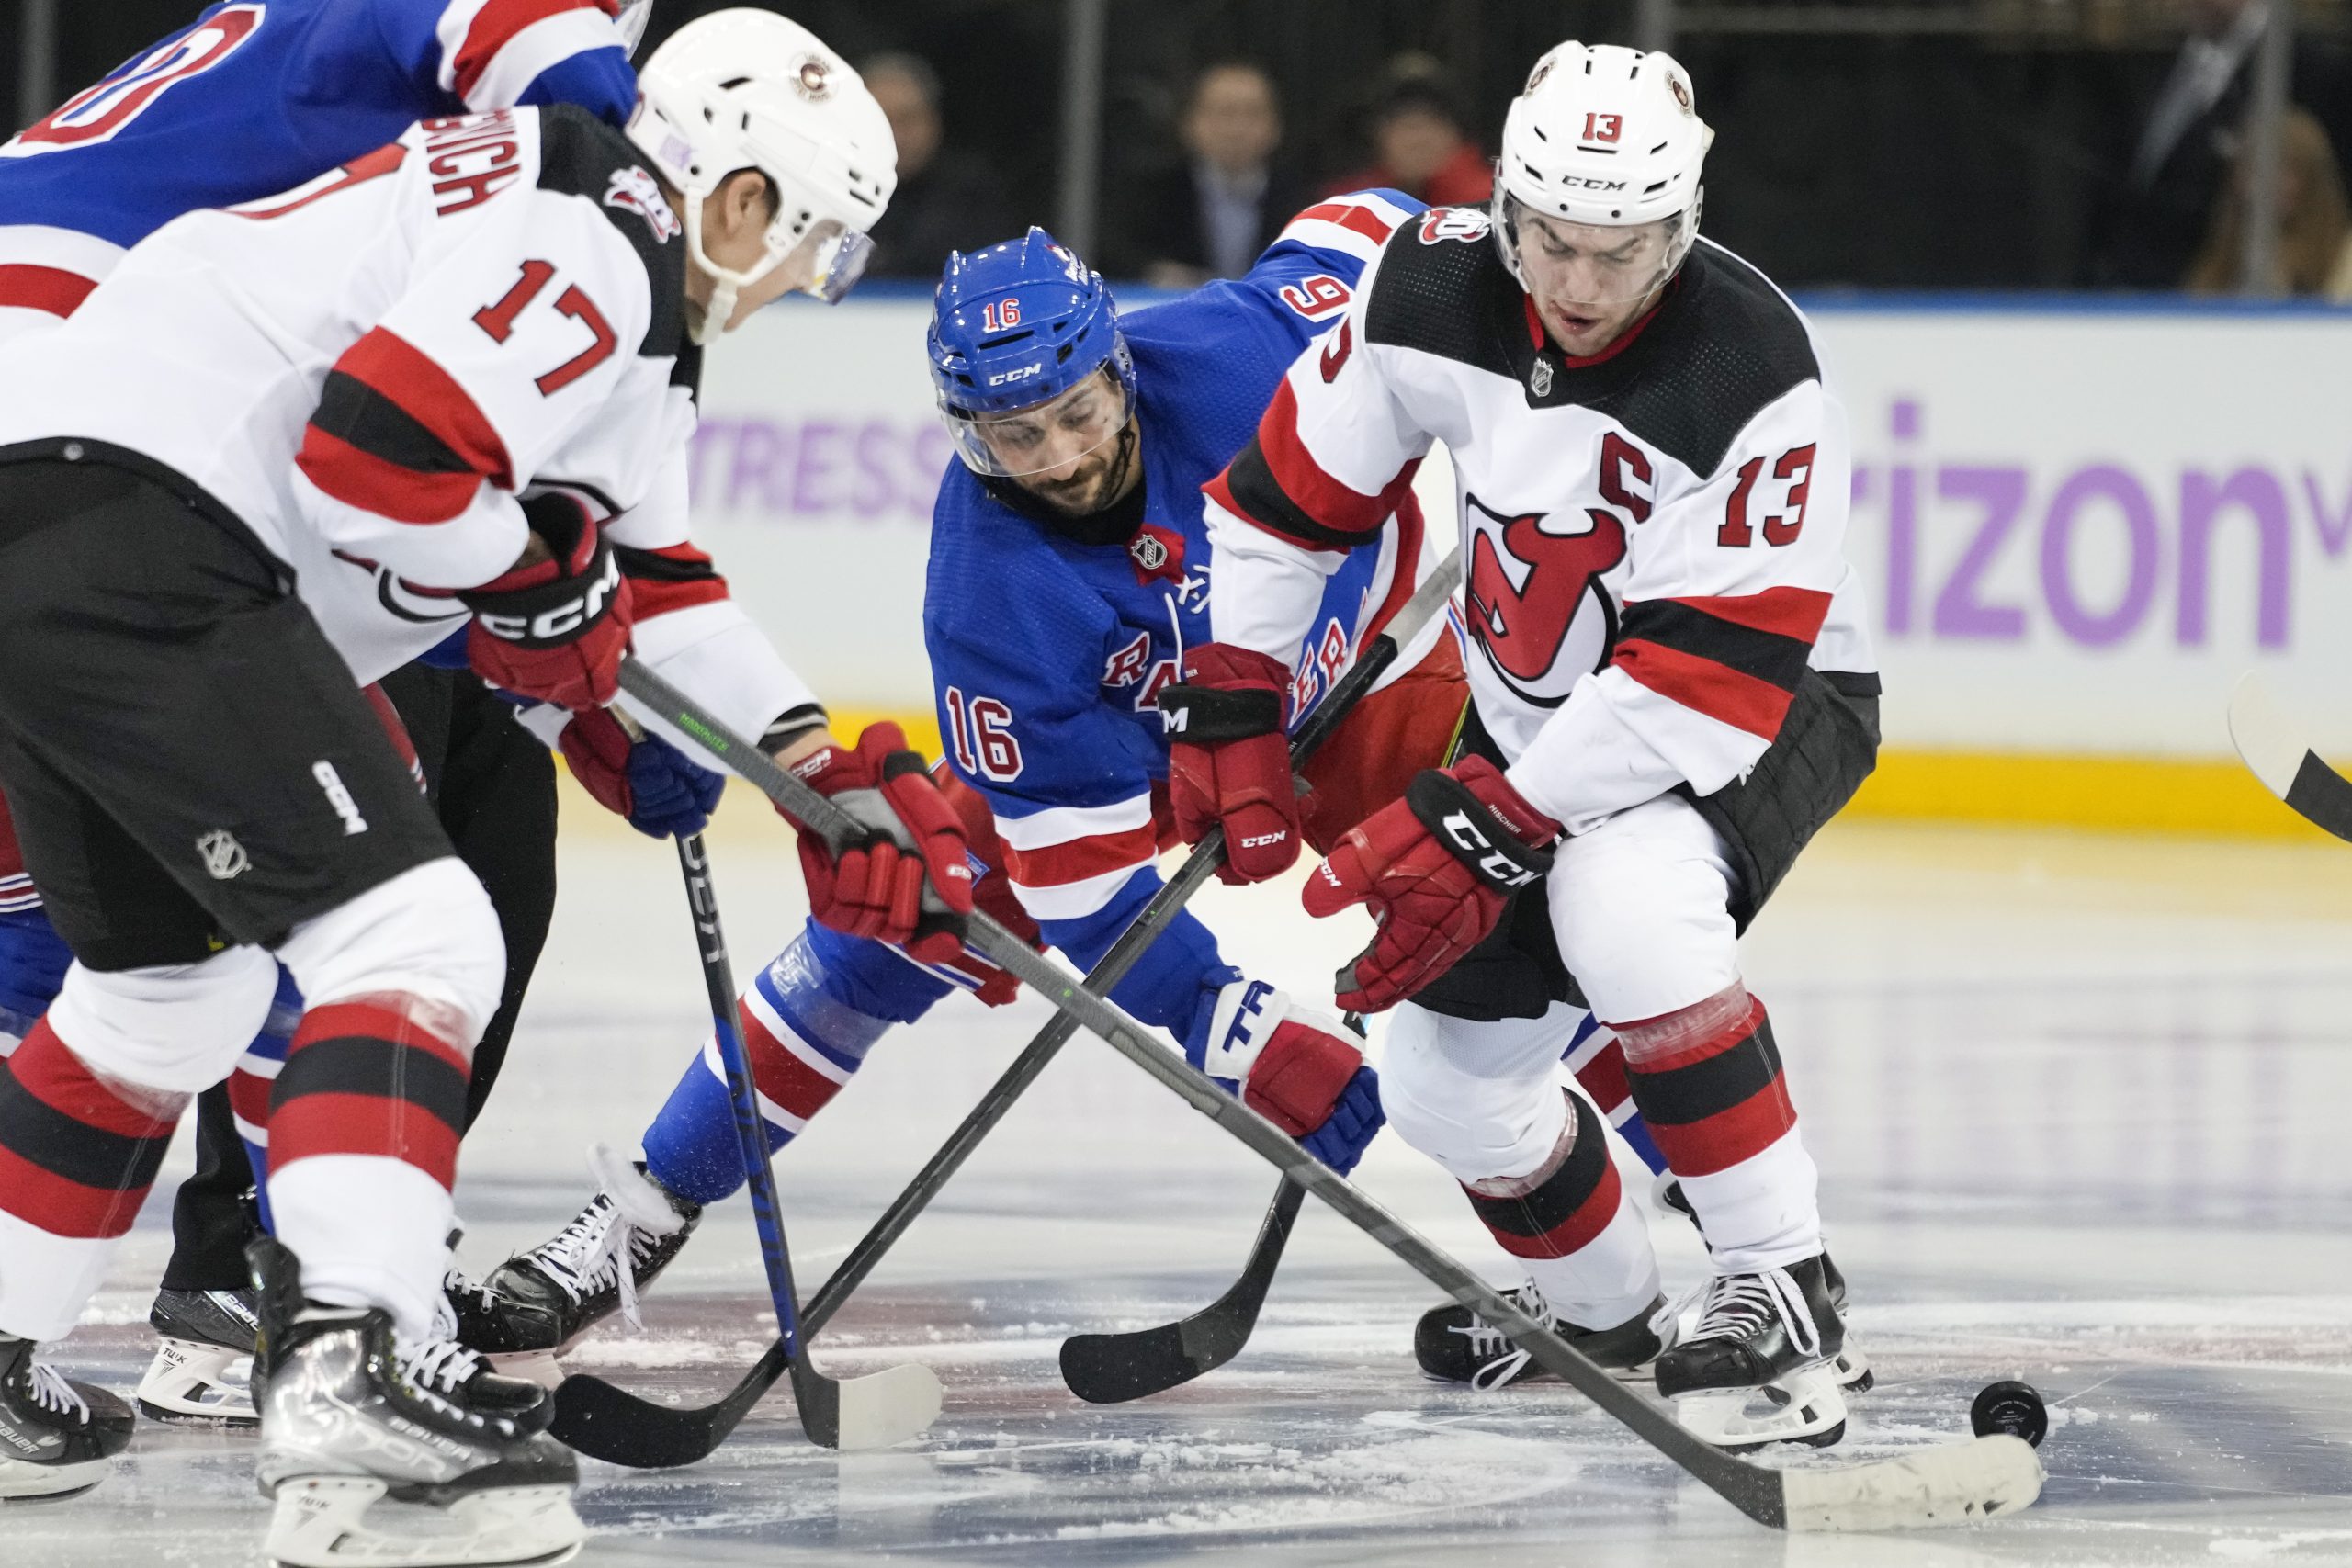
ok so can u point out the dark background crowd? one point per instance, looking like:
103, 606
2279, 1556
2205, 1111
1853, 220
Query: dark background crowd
1919, 144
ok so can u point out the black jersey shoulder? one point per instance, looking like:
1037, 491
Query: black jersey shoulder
1723, 346
1441, 288
582, 155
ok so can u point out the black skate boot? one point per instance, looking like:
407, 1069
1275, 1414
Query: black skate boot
1771, 1335
353, 1415
1851, 1366
538, 1302
57, 1436
1456, 1345
203, 1369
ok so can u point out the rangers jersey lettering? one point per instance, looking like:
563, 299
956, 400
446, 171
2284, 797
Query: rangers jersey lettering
372, 369
1048, 653
258, 95
1652, 535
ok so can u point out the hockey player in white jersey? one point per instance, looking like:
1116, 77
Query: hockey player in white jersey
283, 449
1672, 691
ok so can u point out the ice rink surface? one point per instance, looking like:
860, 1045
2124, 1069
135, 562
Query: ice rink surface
2080, 1106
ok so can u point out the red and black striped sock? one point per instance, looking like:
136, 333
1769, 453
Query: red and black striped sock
365, 1077
1564, 1211
76, 1159
1718, 1099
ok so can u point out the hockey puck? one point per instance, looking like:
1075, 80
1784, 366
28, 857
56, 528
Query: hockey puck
2012, 1407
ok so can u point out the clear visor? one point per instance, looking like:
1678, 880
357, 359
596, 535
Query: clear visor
1060, 435
1602, 266
829, 259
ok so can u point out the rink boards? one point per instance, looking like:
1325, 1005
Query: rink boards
2077, 524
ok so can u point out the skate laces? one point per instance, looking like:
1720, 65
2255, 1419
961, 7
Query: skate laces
438, 1365
1486, 1340
585, 1255
1738, 1303
51, 1392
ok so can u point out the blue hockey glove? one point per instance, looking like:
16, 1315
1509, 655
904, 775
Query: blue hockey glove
1300, 1069
645, 779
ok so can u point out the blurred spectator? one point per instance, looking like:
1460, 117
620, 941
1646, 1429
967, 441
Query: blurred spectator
1418, 144
2181, 161
2314, 247
948, 197
1211, 215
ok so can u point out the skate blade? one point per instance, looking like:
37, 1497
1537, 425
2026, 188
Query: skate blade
191, 1380
1852, 1369
1806, 1406
541, 1367
331, 1521
21, 1481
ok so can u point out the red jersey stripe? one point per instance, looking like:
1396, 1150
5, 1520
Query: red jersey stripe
1302, 478
62, 1206
1057, 865
1784, 612
1577, 1232
791, 1083
389, 365
372, 484
1716, 690
45, 1069
369, 1020
50, 288
1724, 1140
362, 1124
494, 26
1348, 215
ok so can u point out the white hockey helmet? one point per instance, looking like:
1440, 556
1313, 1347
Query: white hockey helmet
1607, 136
747, 89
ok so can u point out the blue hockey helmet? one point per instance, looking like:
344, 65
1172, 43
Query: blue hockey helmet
1019, 334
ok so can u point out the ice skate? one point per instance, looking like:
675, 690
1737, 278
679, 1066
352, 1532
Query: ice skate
203, 1369
383, 1449
539, 1304
1757, 1366
1851, 1366
1454, 1344
57, 1436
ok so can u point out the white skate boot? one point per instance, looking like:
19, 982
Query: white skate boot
1760, 1366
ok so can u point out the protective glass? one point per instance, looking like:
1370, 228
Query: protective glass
1051, 435
836, 259
1604, 267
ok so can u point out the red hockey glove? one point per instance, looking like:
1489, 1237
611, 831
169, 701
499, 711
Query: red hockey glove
1435, 869
554, 629
1300, 1069
1228, 761
908, 880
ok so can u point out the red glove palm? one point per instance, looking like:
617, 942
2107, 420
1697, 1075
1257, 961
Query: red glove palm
1228, 761
555, 629
1435, 869
909, 879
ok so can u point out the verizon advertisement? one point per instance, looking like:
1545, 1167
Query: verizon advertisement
2078, 527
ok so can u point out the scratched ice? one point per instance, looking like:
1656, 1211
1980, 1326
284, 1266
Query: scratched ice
2078, 1104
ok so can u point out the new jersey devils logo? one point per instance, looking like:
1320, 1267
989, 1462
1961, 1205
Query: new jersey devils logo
1535, 600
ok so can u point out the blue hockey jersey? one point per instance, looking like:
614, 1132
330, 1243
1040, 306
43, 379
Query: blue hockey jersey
258, 95
1047, 656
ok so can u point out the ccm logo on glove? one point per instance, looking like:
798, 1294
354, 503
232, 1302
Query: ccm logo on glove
581, 605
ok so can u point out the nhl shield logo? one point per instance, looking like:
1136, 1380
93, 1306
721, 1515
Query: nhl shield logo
1539, 378
1150, 552
634, 190
223, 857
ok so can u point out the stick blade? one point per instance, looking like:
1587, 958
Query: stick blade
1111, 1369
1954, 1484
877, 1411
613, 1425
2275, 750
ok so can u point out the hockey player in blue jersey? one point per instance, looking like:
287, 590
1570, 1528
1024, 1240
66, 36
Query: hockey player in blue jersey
252, 98
1068, 574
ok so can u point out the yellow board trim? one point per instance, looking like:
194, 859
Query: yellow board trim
2132, 795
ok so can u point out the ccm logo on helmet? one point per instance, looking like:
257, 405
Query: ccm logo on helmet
1582, 183
1493, 865
1021, 374
562, 622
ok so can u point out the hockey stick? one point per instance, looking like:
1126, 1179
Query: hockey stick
609, 1423
1950, 1483
1110, 1368
2273, 747
871, 1412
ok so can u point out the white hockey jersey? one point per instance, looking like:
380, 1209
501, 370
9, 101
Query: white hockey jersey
1651, 537
370, 371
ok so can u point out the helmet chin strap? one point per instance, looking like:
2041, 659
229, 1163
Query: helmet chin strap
726, 283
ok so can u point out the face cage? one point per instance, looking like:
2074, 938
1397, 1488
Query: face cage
972, 446
1505, 208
